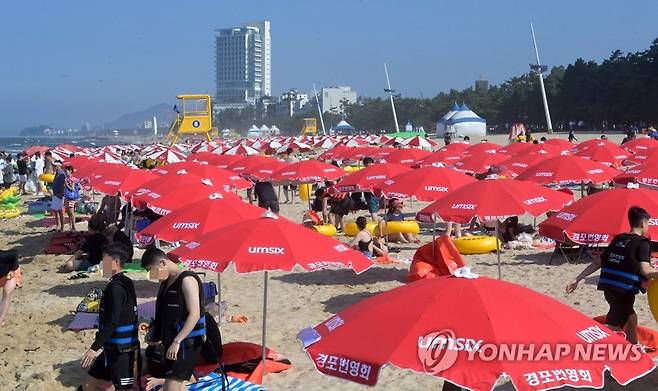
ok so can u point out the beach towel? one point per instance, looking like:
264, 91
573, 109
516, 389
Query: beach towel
89, 320
213, 382
64, 243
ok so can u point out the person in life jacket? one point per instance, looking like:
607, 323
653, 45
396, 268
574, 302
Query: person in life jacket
117, 329
625, 269
179, 325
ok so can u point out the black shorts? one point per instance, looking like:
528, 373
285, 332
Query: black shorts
122, 369
621, 307
342, 207
188, 355
271, 205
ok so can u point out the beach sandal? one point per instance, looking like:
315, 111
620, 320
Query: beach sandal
78, 276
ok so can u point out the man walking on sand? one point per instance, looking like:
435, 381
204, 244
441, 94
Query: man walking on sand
625, 270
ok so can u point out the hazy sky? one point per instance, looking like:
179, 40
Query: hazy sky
68, 62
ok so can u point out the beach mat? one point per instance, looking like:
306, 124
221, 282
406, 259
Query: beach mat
213, 382
89, 320
134, 267
48, 222
64, 243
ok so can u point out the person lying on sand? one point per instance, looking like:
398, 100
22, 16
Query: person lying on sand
10, 278
625, 270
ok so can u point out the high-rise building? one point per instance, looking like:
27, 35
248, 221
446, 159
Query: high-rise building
482, 85
243, 64
333, 98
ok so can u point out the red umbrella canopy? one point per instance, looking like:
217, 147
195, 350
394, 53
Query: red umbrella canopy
174, 181
406, 156
645, 174
582, 221
29, 151
218, 176
456, 147
213, 159
246, 164
371, 176
495, 199
333, 153
460, 329
425, 184
519, 163
171, 201
604, 152
567, 169
480, 162
438, 158
120, 178
306, 171
268, 243
264, 171
208, 214
641, 145
561, 143
649, 156
483, 147
517, 148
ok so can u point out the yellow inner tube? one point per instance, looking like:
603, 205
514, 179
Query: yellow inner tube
652, 297
475, 244
7, 193
351, 169
9, 213
326, 229
48, 178
400, 227
350, 228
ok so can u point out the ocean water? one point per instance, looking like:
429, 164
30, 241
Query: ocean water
18, 144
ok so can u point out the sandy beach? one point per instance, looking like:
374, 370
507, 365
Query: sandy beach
38, 353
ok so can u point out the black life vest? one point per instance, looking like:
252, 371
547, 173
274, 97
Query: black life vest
172, 310
125, 336
620, 269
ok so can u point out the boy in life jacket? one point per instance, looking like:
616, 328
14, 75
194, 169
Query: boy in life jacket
179, 322
114, 355
625, 269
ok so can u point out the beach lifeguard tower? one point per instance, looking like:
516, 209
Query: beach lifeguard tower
193, 116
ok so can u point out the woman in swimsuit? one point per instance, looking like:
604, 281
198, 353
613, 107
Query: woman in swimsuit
364, 242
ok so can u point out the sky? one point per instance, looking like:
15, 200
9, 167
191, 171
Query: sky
70, 62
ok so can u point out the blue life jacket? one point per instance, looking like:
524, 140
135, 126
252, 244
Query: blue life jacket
620, 268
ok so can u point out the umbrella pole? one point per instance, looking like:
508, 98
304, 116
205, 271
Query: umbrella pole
265, 277
433, 236
500, 276
219, 298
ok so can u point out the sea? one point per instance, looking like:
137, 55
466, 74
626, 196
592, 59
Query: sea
18, 144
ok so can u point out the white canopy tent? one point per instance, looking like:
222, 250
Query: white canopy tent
463, 122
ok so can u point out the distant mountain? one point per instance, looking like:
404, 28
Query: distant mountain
163, 112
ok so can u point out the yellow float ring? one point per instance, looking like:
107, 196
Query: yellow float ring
9, 213
326, 229
350, 228
48, 178
475, 244
351, 169
401, 227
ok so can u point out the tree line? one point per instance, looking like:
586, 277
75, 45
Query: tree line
620, 91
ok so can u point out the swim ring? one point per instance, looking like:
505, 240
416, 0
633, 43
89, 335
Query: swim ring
326, 229
475, 244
